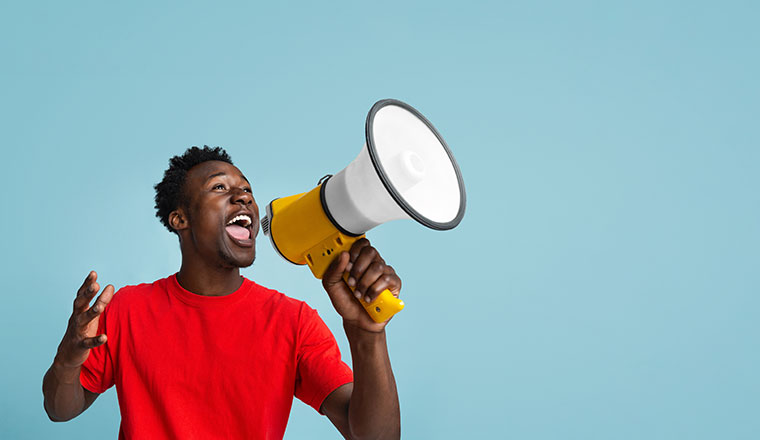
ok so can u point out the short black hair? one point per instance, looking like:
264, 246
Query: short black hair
170, 191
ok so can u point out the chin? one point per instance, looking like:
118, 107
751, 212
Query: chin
239, 261
248, 262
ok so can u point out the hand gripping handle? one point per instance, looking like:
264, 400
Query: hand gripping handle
322, 255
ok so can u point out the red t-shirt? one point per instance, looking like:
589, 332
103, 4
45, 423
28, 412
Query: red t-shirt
191, 366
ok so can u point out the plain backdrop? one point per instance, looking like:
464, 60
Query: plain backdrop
603, 283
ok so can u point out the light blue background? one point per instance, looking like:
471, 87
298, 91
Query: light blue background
603, 284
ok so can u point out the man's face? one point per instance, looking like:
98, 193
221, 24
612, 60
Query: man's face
222, 215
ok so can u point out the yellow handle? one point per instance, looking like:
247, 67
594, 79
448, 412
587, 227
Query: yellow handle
383, 307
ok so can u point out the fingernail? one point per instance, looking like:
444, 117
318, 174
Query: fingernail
351, 281
358, 295
367, 299
91, 288
349, 266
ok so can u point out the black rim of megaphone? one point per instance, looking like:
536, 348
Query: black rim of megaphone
386, 180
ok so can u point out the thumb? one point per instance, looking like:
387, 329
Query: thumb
334, 274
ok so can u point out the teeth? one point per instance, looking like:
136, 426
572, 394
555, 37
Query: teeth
245, 218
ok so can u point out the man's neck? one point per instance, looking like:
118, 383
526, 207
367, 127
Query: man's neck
209, 281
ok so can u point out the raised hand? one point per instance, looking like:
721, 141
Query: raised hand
368, 274
81, 333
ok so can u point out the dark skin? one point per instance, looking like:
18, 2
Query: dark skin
211, 262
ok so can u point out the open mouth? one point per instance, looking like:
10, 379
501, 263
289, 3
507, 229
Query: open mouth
239, 228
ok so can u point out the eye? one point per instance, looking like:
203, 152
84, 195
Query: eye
248, 190
219, 186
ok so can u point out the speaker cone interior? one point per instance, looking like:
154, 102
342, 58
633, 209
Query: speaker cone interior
405, 170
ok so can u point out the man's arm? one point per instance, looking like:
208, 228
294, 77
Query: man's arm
65, 397
368, 407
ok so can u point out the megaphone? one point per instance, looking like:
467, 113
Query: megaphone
404, 171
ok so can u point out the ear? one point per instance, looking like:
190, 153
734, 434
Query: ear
178, 220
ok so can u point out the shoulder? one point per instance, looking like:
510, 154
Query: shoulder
307, 329
279, 303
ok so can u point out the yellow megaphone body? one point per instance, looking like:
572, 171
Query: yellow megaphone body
405, 170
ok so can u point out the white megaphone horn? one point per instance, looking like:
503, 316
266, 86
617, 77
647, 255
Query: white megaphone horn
404, 171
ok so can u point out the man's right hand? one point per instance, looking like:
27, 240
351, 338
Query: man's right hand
65, 397
81, 333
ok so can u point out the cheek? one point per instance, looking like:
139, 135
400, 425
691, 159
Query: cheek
206, 222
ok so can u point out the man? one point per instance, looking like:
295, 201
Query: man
207, 353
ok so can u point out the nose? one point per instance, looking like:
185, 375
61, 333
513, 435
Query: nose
242, 197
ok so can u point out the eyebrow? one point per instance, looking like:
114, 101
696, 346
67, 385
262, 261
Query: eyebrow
222, 173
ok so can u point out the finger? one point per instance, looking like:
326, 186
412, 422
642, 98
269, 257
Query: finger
366, 256
85, 291
395, 280
355, 250
88, 343
357, 247
340, 295
92, 276
83, 299
334, 273
388, 280
105, 297
97, 308
369, 278
385, 282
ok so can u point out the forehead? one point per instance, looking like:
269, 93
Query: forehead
200, 173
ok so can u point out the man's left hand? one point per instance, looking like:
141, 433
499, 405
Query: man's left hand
369, 275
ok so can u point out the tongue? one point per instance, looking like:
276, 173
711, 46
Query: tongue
238, 232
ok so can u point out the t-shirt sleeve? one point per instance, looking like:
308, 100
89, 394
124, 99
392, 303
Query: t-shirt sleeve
320, 367
96, 374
